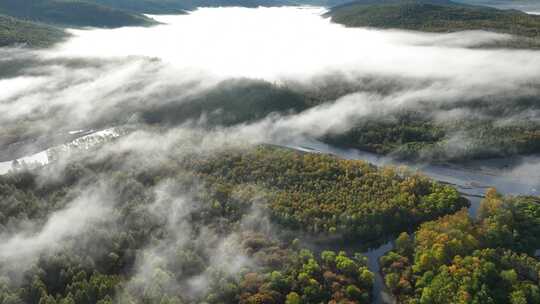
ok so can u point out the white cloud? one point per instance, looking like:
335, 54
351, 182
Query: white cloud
102, 75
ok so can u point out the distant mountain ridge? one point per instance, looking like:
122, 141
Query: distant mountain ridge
37, 23
179, 6
422, 15
435, 16
72, 13
524, 5
14, 31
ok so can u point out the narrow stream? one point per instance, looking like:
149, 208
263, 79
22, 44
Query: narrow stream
471, 180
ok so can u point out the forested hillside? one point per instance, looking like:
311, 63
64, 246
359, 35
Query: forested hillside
231, 196
71, 13
414, 137
412, 134
180, 6
146, 6
522, 5
18, 32
25, 25
435, 16
461, 260
321, 194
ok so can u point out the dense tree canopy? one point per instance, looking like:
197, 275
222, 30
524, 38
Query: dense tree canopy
457, 259
18, 32
323, 194
439, 16
72, 13
180, 6
204, 218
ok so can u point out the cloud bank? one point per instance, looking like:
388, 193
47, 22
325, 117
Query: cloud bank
101, 78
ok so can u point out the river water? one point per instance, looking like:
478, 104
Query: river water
86, 140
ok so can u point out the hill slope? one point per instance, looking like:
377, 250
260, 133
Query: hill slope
522, 5
145, 6
71, 13
179, 6
434, 16
15, 31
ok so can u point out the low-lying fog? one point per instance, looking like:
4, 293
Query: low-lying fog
105, 78
277, 43
100, 75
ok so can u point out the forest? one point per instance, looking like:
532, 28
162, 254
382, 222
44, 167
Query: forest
188, 169
321, 194
440, 16
18, 32
247, 220
92, 13
413, 137
72, 13
174, 6
457, 259
39, 23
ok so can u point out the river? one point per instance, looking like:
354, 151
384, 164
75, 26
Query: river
85, 140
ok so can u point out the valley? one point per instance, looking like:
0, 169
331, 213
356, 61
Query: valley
172, 151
